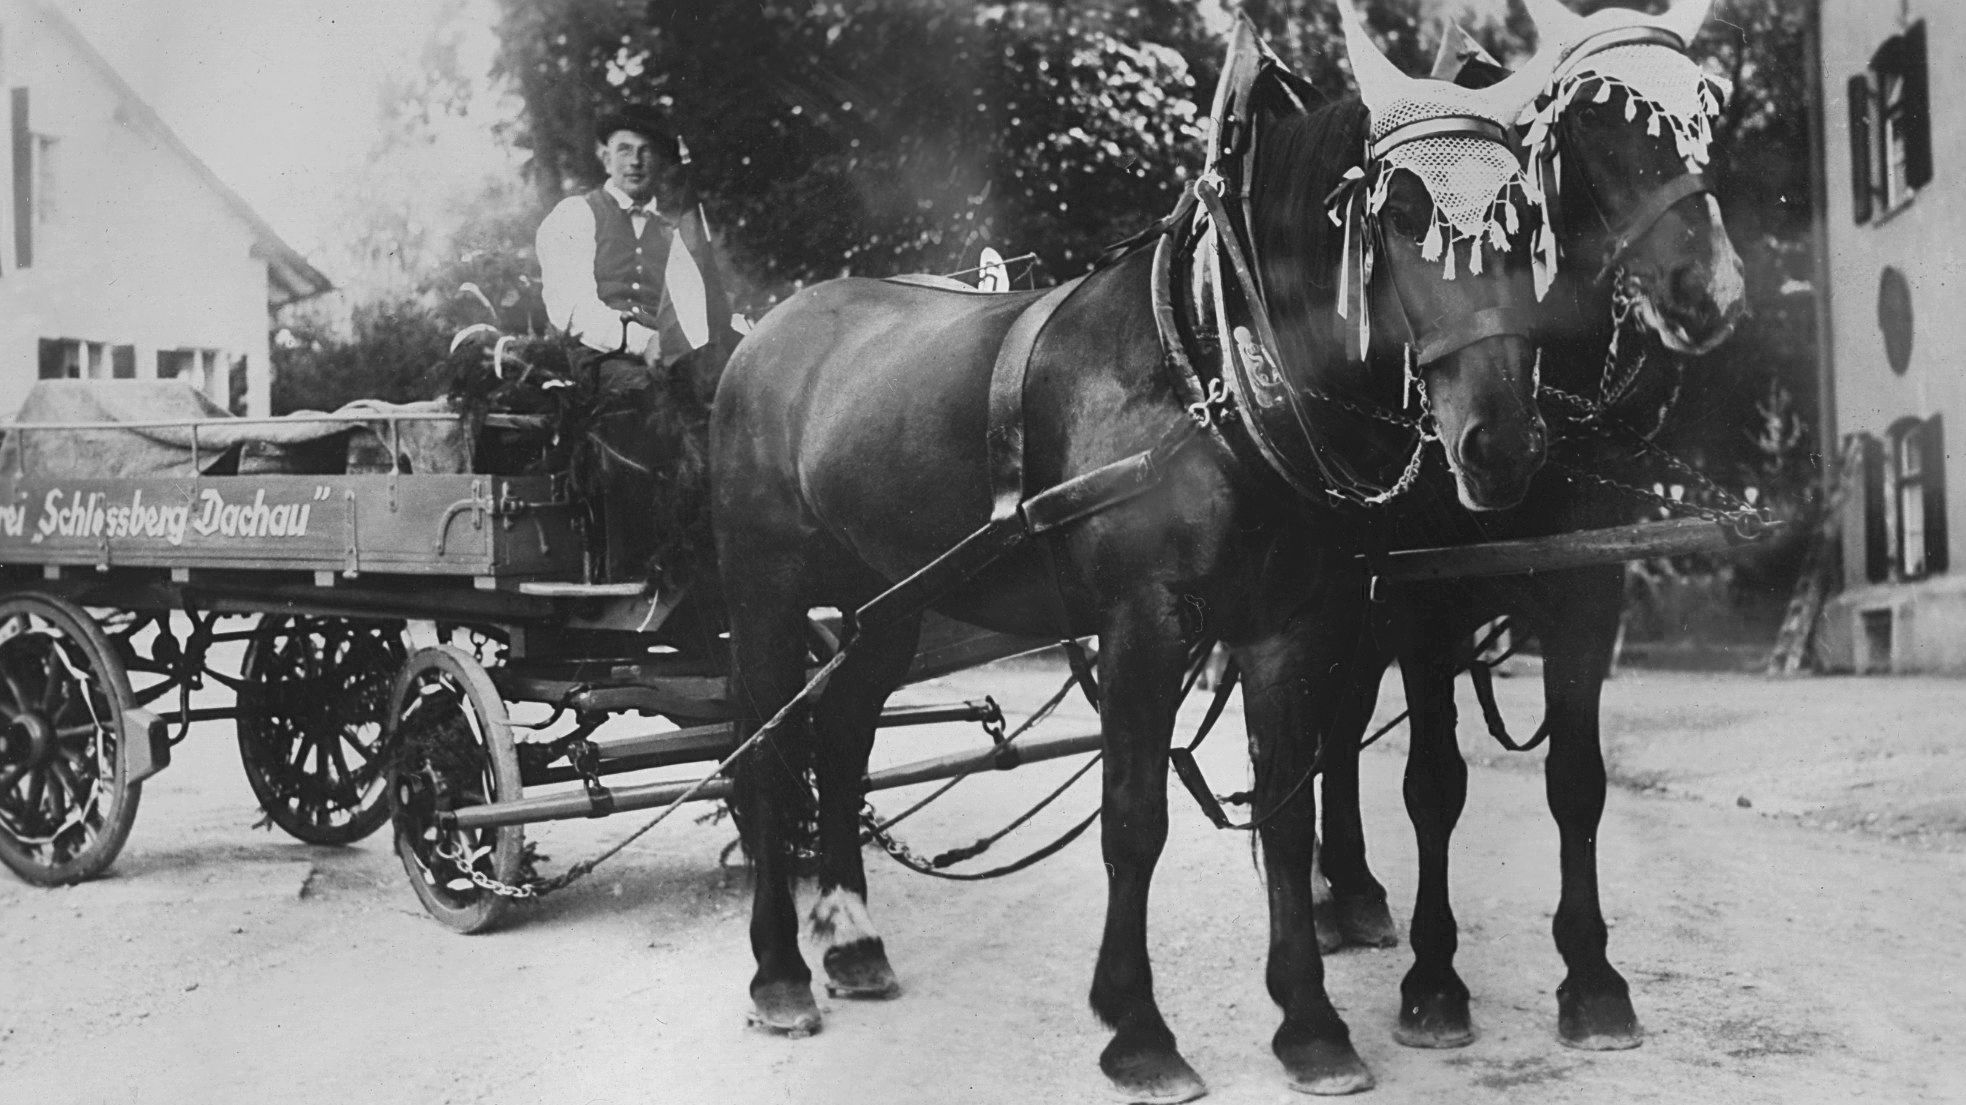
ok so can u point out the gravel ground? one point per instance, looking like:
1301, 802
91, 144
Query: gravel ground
1783, 872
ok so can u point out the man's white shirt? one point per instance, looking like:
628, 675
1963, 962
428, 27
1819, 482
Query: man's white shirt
565, 244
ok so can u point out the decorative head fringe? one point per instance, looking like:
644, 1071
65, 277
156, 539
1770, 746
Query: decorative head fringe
1473, 180
1671, 90
1480, 198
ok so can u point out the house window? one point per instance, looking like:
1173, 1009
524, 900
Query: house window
23, 150
1890, 127
1912, 486
204, 369
75, 359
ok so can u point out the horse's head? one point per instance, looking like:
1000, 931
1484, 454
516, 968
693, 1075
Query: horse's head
1430, 221
1624, 128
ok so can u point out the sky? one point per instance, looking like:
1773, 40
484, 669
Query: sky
280, 97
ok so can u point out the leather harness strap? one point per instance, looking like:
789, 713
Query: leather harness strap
1459, 333
1006, 430
1650, 210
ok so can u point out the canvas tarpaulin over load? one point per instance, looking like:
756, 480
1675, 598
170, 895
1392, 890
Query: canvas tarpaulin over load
169, 428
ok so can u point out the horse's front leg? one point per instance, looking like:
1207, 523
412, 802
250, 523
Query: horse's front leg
1356, 911
1433, 1001
855, 957
1141, 662
1289, 693
1594, 1008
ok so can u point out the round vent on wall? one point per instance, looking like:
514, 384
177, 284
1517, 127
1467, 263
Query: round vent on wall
1894, 318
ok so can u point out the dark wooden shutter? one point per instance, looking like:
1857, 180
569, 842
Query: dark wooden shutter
23, 183
1917, 107
1860, 148
1931, 442
123, 362
1877, 535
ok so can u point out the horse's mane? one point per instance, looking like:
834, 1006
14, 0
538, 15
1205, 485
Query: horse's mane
1300, 158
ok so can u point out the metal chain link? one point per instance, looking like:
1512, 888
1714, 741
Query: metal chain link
449, 852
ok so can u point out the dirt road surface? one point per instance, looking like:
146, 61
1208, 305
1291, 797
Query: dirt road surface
1784, 870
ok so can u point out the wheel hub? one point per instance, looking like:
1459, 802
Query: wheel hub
28, 740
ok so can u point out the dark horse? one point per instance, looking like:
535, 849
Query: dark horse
849, 450
1639, 242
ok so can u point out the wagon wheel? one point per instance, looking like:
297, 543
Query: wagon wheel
311, 719
66, 802
453, 748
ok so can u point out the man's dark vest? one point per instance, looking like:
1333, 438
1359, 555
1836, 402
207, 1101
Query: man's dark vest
630, 271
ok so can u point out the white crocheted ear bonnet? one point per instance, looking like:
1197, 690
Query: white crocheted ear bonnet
1618, 51
1453, 140
1668, 87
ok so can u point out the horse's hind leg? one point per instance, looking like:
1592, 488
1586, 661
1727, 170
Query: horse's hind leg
1433, 1001
767, 628
1594, 1008
855, 957
1287, 698
1141, 661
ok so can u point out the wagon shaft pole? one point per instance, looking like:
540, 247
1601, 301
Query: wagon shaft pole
563, 807
1678, 537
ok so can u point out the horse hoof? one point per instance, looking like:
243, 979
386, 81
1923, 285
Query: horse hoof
860, 972
1436, 1023
1365, 921
1599, 1021
1327, 1068
785, 1009
1151, 1077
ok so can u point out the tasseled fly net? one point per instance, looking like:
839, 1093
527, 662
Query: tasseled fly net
1671, 90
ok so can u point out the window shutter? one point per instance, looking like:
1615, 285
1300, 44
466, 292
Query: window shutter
123, 362
1918, 108
1932, 442
1877, 535
1860, 148
23, 183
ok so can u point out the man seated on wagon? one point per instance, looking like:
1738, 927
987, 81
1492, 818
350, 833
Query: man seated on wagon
627, 269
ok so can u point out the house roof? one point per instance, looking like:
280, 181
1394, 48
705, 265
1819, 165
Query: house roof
290, 278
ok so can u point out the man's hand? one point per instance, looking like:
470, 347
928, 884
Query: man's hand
651, 351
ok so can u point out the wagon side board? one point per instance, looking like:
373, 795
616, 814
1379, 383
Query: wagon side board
501, 528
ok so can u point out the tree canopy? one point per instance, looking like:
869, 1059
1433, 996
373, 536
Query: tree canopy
881, 136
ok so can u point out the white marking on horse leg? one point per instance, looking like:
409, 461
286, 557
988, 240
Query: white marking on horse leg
840, 918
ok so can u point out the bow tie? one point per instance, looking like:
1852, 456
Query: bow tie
642, 212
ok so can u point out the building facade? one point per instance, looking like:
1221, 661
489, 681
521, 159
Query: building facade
121, 254
1892, 206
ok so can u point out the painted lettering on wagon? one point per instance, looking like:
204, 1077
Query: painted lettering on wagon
97, 514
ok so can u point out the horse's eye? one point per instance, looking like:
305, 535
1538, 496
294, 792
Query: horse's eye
1403, 221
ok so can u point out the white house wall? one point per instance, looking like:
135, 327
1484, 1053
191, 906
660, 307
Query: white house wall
1926, 240
138, 250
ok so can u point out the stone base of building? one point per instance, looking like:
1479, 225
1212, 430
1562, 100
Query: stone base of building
1895, 628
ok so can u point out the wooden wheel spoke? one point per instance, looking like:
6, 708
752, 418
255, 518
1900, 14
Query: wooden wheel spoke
71, 734
14, 690
37, 788
68, 784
